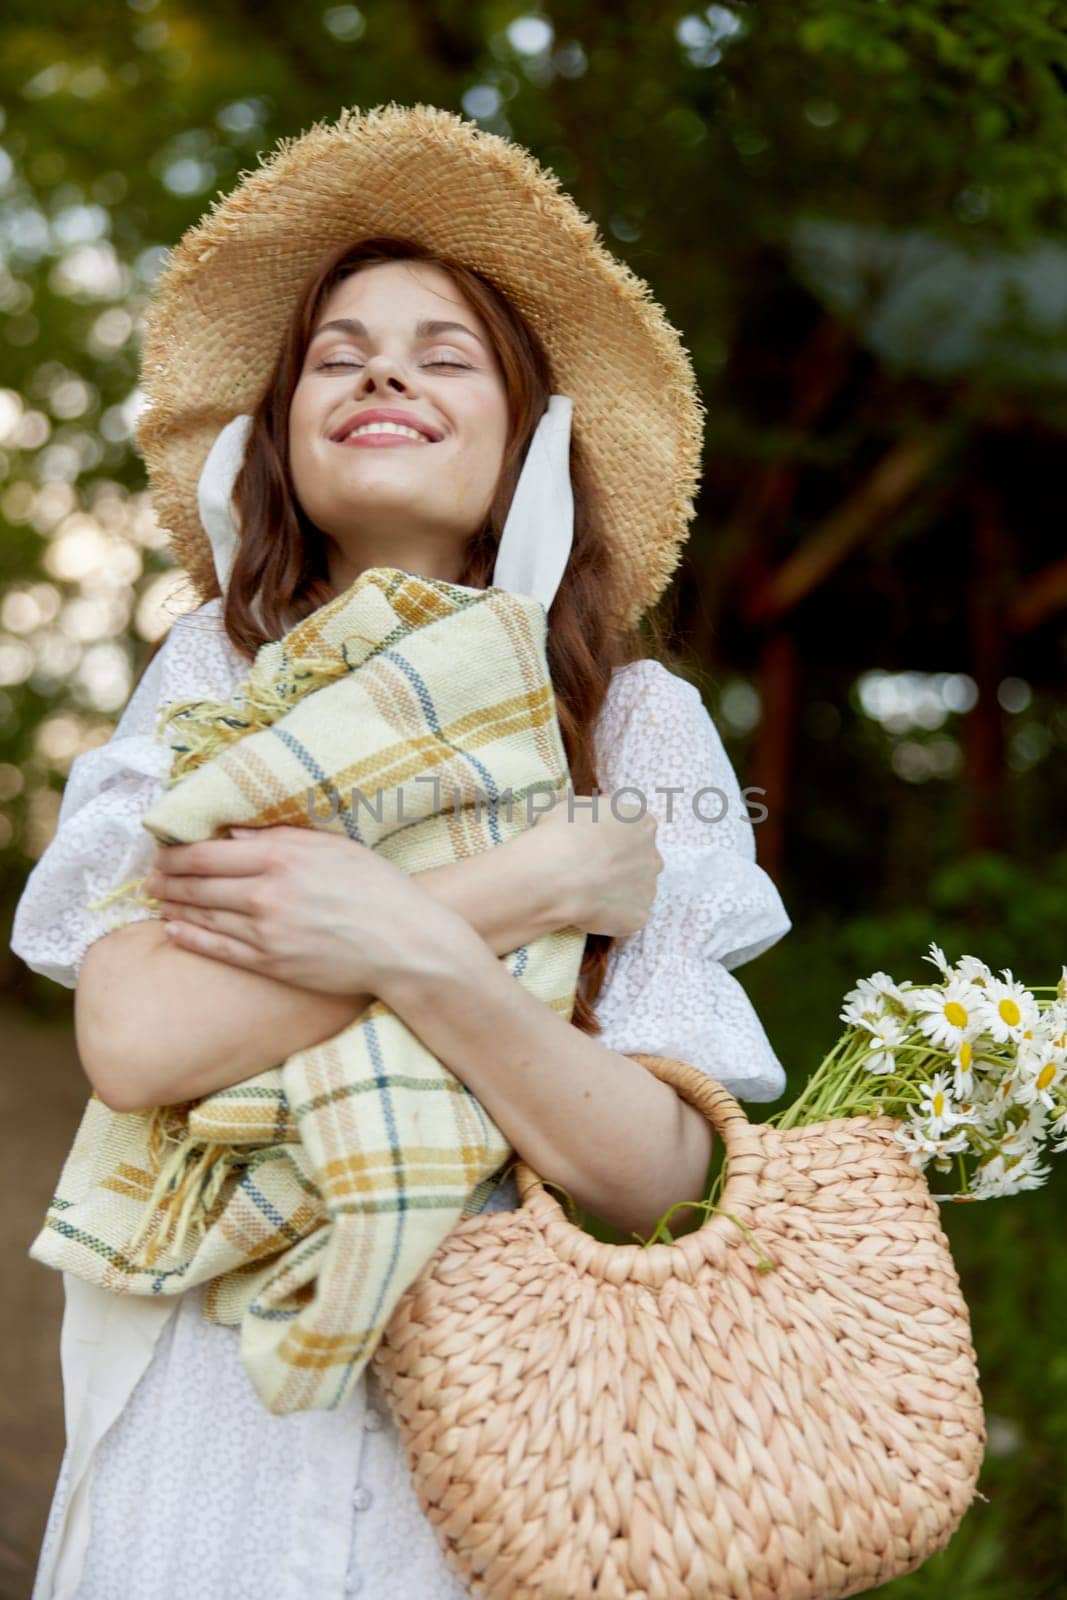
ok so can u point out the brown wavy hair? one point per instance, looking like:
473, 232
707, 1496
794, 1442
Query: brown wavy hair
281, 556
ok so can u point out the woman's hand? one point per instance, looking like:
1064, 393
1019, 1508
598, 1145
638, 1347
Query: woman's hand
306, 907
609, 864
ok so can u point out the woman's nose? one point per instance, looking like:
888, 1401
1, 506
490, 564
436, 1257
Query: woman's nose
382, 371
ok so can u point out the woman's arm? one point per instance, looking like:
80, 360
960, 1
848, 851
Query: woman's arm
156, 1024
158, 1021
625, 1145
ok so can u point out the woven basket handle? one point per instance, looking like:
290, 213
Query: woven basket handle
724, 1113
743, 1151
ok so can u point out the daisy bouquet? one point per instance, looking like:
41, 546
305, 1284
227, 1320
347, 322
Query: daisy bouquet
973, 1065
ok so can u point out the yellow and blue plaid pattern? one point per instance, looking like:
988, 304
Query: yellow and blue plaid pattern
313, 1194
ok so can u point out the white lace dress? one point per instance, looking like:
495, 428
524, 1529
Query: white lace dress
176, 1483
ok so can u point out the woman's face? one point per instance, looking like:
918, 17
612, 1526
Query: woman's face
411, 345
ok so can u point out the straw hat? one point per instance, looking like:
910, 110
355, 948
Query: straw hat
217, 313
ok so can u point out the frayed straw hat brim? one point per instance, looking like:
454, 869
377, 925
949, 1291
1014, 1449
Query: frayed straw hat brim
218, 311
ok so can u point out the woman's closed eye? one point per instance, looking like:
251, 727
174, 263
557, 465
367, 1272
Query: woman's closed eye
461, 366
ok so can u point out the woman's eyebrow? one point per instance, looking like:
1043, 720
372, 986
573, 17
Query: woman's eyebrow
428, 328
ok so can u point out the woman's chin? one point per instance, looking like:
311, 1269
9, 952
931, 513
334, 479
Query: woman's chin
387, 513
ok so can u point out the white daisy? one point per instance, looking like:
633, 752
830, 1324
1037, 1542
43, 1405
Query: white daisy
1038, 1079
1052, 1028
1000, 1175
973, 970
879, 983
861, 1010
982, 1109
922, 1148
1004, 1092
1032, 1051
937, 956
937, 1110
882, 984
1006, 1010
1028, 1134
949, 1014
867, 1001
963, 1070
886, 1033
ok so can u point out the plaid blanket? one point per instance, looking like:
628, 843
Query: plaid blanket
310, 1196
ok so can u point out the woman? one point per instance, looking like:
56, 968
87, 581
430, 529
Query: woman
396, 406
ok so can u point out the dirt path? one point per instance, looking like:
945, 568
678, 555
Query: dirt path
42, 1094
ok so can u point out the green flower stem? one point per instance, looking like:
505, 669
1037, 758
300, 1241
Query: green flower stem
828, 1092
789, 1117
661, 1234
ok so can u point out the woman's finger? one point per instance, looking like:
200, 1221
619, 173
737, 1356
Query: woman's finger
216, 945
214, 857
231, 924
223, 894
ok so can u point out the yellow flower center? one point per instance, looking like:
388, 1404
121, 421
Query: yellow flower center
938, 1103
965, 1054
1009, 1011
1046, 1075
955, 1014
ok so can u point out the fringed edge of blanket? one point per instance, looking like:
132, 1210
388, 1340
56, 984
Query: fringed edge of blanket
187, 1187
208, 726
132, 892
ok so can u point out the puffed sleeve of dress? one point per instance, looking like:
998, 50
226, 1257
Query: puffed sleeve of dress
99, 842
669, 988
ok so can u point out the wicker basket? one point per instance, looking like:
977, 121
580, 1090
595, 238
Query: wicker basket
678, 1422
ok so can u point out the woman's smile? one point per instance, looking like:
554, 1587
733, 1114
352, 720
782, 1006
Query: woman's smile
386, 420
377, 436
